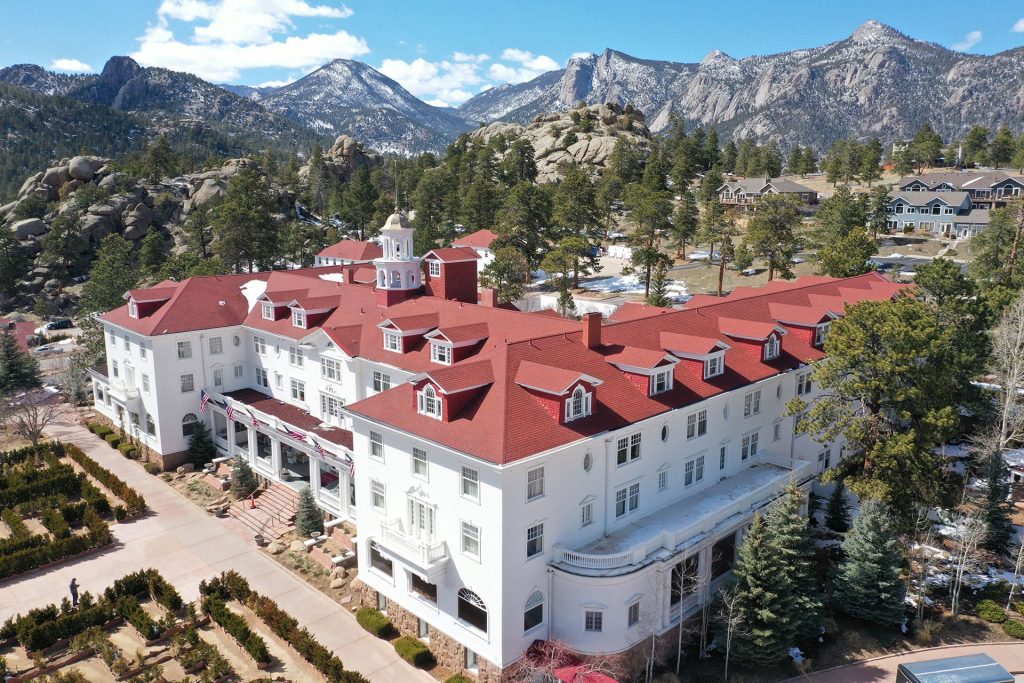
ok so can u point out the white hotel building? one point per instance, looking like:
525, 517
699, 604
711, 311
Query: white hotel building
518, 477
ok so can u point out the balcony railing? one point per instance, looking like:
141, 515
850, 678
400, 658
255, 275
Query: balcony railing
629, 546
430, 557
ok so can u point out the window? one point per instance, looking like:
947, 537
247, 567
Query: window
381, 381
145, 383
535, 483
628, 449
423, 588
142, 351
392, 341
535, 540
593, 621
824, 460
697, 424
428, 402
662, 480
752, 403
113, 368
721, 457
188, 425
184, 350
134, 418
749, 447
377, 498
771, 348
803, 383
776, 431
820, 332
128, 345
376, 445
216, 346
260, 345
470, 483
150, 425
295, 356
471, 539
661, 381
330, 406
578, 404
633, 614
419, 462
299, 319
471, 661
688, 472
261, 378
533, 611
267, 310
330, 369
133, 309
187, 383
379, 562
278, 380
714, 365
627, 499
218, 377
299, 390
239, 370
586, 514
434, 268
472, 609
441, 353
699, 472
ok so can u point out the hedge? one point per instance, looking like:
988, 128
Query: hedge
14, 523
415, 652
17, 623
55, 523
237, 628
135, 502
459, 678
31, 557
13, 545
991, 612
126, 448
128, 607
374, 621
61, 480
1014, 629
113, 440
40, 635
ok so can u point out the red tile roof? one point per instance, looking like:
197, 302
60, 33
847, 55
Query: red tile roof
547, 378
21, 329
353, 250
799, 314
461, 377
690, 344
748, 329
637, 358
463, 333
453, 254
481, 239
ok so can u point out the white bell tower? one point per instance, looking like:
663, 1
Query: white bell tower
398, 270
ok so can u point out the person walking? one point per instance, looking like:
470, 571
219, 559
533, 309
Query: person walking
73, 587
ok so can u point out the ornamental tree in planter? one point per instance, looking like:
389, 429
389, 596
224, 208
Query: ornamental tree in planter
243, 479
309, 518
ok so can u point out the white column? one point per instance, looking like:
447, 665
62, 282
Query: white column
314, 475
275, 458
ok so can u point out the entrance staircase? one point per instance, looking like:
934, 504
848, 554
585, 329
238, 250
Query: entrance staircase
274, 514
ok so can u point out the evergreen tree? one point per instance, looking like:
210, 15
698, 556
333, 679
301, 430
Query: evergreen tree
357, 202
1018, 154
792, 538
795, 161
245, 223
685, 222
524, 219
575, 214
903, 161
151, 253
659, 287
161, 160
848, 256
508, 273
868, 584
993, 264
558, 264
771, 233
771, 160
113, 273
482, 200
243, 479
1000, 152
837, 510
19, 370
718, 227
199, 230
625, 162
709, 185
810, 162
309, 518
729, 157
649, 210
976, 145
63, 245
996, 507
519, 164
428, 199
871, 161
925, 147
878, 210
318, 181
201, 449
14, 262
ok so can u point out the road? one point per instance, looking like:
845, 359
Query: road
883, 669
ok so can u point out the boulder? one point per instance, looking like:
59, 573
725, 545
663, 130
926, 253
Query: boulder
276, 548
8, 207
97, 163
80, 168
297, 546
110, 182
55, 176
186, 468
28, 228
30, 183
53, 284
338, 582
137, 221
32, 247
97, 227
231, 167
102, 210
46, 193
208, 190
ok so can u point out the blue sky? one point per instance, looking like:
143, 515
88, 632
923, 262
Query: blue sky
444, 51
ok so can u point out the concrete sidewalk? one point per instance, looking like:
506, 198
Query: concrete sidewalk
883, 669
187, 545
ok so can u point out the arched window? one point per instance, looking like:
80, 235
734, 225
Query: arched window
429, 403
472, 609
578, 404
396, 279
188, 425
533, 611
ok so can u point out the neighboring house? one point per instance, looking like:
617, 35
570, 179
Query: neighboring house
23, 330
480, 242
744, 193
514, 477
987, 189
347, 252
941, 213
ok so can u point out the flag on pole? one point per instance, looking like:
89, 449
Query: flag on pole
255, 421
204, 398
295, 435
231, 412
319, 449
351, 468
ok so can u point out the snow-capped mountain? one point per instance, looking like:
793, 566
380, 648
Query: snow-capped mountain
876, 82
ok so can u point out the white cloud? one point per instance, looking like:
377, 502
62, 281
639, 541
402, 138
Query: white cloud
444, 82
580, 55
969, 41
70, 65
1019, 26
476, 59
527, 66
229, 36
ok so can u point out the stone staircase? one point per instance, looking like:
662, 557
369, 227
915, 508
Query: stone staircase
274, 514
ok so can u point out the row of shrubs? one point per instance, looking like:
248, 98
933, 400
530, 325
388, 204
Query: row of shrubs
203, 654
128, 607
43, 634
15, 524
237, 628
49, 481
20, 455
142, 582
57, 549
410, 649
133, 500
232, 585
993, 612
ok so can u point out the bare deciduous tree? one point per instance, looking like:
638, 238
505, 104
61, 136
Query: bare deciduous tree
546, 657
969, 534
729, 618
1008, 369
28, 415
1017, 566
922, 559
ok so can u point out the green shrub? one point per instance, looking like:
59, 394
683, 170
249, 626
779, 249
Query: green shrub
1014, 629
1019, 606
459, 678
991, 612
414, 651
113, 440
237, 628
15, 524
39, 635
103, 431
128, 607
126, 448
55, 523
54, 480
374, 621
136, 503
153, 468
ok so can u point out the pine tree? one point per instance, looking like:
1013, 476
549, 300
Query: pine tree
659, 287
308, 518
685, 222
771, 233
243, 479
792, 538
63, 245
764, 600
795, 162
508, 273
995, 508
245, 223
524, 219
318, 181
151, 253
14, 262
649, 211
870, 161
1000, 152
575, 214
868, 584
837, 510
19, 370
113, 273
519, 164
357, 202
200, 446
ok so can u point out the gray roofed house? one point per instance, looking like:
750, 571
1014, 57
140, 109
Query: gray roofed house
989, 189
946, 213
743, 193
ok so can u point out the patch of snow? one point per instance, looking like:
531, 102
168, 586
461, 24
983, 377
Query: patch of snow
253, 290
333, 277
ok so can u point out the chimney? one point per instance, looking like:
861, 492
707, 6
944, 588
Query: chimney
489, 297
349, 276
592, 330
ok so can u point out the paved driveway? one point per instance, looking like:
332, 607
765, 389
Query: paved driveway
187, 545
1010, 655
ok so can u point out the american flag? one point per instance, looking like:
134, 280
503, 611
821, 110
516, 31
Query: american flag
294, 434
231, 412
319, 449
204, 398
255, 422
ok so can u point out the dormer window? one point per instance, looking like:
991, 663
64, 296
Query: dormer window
268, 311
392, 341
434, 268
661, 381
133, 309
771, 348
299, 319
428, 402
820, 332
578, 405
714, 365
441, 353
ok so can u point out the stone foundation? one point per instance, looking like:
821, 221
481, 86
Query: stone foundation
168, 462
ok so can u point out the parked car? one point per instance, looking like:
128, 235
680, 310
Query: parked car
979, 668
60, 324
